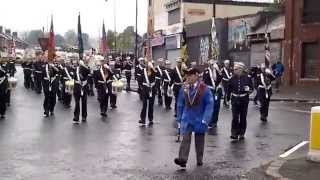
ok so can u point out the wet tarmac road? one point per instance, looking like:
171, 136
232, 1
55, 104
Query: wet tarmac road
35, 148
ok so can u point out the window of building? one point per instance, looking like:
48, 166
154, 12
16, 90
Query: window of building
174, 16
311, 11
310, 60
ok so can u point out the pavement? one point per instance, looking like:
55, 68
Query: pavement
294, 167
37, 148
305, 93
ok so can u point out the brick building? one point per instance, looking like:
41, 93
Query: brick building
302, 42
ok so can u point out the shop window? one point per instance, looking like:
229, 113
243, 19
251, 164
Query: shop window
311, 11
174, 16
310, 60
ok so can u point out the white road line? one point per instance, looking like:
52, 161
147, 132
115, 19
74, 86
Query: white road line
292, 150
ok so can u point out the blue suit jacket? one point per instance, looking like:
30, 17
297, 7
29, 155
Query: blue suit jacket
192, 118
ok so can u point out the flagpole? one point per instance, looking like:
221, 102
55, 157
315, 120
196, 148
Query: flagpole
115, 25
136, 40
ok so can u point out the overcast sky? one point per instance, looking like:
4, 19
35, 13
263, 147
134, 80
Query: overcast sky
20, 15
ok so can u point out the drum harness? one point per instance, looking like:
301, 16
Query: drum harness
81, 83
180, 77
168, 81
48, 78
147, 83
264, 85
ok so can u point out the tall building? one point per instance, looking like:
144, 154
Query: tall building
302, 37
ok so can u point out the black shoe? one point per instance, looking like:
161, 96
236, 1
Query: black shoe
114, 107
143, 123
180, 162
45, 114
168, 108
264, 119
200, 164
241, 137
234, 137
2, 116
103, 114
51, 113
151, 123
84, 120
76, 121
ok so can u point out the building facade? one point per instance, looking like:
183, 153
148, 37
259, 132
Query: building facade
169, 17
302, 42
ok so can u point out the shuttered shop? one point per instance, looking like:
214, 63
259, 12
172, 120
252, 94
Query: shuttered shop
258, 53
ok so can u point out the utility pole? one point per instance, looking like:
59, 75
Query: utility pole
214, 8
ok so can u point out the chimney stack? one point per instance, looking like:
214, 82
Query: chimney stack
15, 34
8, 32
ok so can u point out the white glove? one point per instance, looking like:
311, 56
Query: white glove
204, 122
268, 71
179, 125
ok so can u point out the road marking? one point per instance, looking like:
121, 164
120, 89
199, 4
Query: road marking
292, 150
301, 111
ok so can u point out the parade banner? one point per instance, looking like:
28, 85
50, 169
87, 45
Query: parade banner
215, 50
80, 41
51, 43
104, 44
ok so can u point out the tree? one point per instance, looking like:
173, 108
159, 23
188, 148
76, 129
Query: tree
33, 36
86, 43
110, 39
71, 38
60, 41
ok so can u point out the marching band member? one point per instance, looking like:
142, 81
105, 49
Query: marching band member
4, 85
102, 82
27, 71
195, 106
148, 93
178, 79
240, 86
226, 76
80, 91
38, 65
264, 91
67, 73
159, 80
118, 65
11, 70
50, 88
127, 70
139, 75
116, 75
167, 85
91, 79
212, 78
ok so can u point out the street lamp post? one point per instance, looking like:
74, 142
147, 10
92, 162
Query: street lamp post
115, 23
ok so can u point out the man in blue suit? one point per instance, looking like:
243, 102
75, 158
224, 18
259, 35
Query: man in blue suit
194, 112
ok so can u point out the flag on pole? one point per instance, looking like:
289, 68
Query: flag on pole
12, 49
104, 44
51, 43
184, 48
80, 41
267, 48
215, 50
